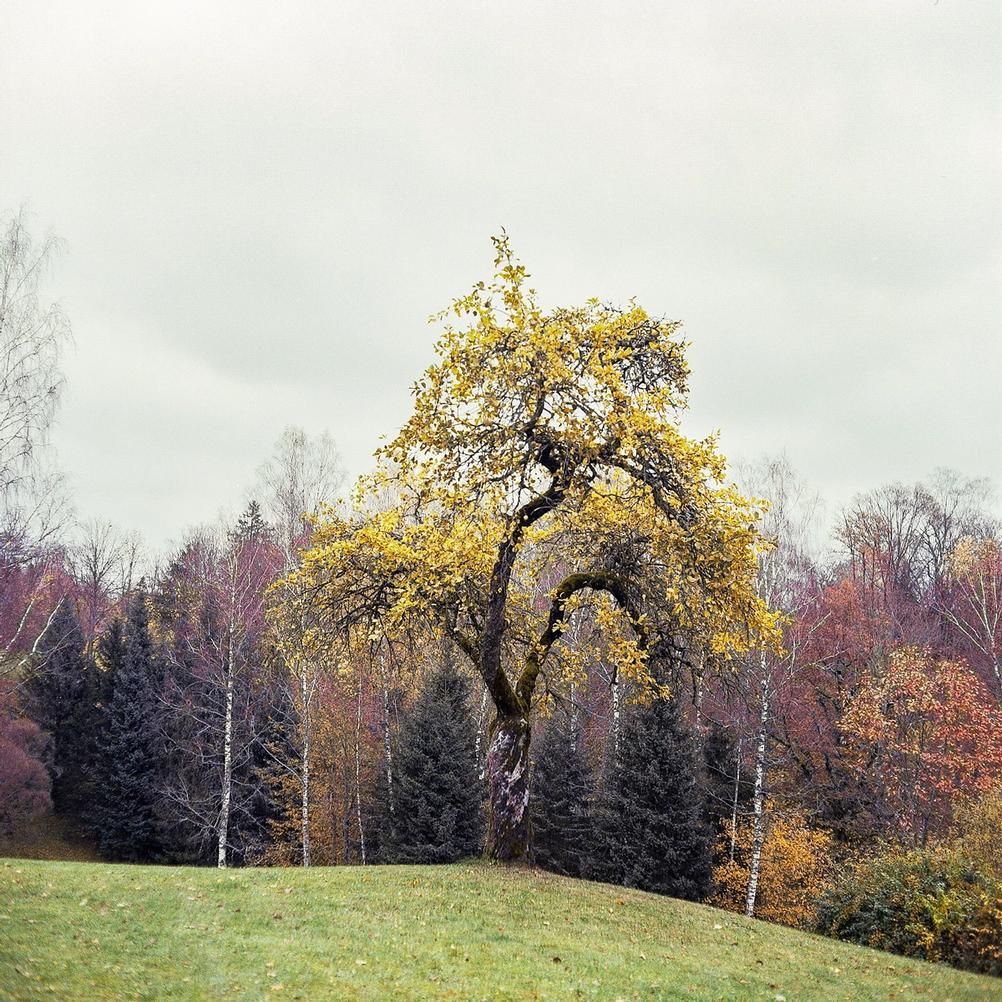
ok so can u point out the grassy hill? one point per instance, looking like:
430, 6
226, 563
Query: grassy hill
82, 931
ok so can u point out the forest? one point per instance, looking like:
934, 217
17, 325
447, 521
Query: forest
547, 628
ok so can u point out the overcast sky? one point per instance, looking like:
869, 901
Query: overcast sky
263, 204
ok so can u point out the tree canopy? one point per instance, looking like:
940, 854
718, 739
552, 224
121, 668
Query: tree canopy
545, 440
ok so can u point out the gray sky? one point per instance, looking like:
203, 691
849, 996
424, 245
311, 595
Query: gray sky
263, 204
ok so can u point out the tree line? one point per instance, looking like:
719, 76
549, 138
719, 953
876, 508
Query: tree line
549, 627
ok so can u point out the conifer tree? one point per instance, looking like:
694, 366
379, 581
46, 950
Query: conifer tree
651, 832
726, 788
131, 748
109, 660
437, 797
56, 698
561, 795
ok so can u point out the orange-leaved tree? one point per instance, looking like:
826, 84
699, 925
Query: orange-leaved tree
924, 732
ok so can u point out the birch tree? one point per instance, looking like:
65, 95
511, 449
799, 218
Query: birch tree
34, 506
301, 476
782, 581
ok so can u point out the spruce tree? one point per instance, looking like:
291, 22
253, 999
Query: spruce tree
651, 831
126, 821
58, 700
436, 816
109, 661
561, 795
724, 785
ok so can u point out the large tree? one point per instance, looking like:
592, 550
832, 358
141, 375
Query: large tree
540, 439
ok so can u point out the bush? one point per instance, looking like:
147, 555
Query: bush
935, 905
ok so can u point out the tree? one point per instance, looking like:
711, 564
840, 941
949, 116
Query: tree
540, 436
32, 337
651, 832
131, 749
561, 800
214, 627
57, 694
24, 783
435, 816
302, 475
972, 601
925, 733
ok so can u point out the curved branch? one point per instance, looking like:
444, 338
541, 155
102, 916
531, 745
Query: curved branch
595, 580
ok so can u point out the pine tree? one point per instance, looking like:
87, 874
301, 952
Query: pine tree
131, 748
651, 832
561, 794
57, 696
436, 816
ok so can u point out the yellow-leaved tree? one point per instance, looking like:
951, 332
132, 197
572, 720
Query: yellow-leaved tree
545, 441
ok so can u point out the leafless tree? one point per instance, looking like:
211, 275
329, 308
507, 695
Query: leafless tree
32, 337
301, 475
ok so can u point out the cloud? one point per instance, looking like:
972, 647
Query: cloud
264, 204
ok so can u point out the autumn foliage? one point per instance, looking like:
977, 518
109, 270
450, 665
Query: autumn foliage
924, 733
797, 865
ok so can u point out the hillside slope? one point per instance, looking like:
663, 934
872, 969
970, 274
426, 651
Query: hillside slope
96, 931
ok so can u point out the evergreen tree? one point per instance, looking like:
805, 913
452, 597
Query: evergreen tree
561, 794
109, 661
436, 816
723, 783
651, 832
263, 810
131, 748
59, 700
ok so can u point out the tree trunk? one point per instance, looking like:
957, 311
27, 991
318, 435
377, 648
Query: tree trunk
734, 804
508, 829
615, 713
387, 745
358, 774
481, 720
304, 693
758, 832
223, 827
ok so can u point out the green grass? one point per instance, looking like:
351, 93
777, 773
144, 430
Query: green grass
95, 931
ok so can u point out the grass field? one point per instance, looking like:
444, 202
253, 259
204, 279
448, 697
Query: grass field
81, 931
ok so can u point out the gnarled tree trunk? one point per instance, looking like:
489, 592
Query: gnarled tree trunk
508, 829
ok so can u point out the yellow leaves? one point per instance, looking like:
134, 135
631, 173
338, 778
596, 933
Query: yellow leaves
796, 867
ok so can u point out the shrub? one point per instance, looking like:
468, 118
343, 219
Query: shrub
977, 831
935, 905
24, 783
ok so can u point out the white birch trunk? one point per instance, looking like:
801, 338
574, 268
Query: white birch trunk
358, 773
734, 804
481, 718
387, 744
304, 695
615, 714
223, 829
758, 832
